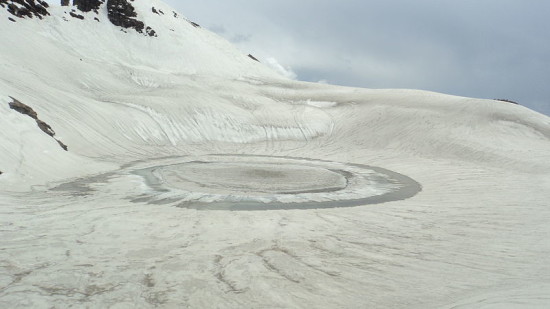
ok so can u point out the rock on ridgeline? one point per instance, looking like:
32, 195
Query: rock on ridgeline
121, 13
26, 8
86, 5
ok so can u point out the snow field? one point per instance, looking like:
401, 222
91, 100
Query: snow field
74, 232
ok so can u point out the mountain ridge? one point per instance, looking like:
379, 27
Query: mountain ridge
69, 68
120, 13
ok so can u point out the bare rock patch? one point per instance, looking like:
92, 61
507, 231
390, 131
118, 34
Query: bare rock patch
122, 13
26, 8
24, 109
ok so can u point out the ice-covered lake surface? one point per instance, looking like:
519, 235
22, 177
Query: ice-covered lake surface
246, 182
450, 195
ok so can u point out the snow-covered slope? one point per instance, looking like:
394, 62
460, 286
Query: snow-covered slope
76, 228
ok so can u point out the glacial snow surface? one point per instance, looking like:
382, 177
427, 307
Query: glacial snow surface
80, 228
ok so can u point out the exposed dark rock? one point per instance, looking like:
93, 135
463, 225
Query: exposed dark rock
26, 8
150, 31
158, 12
508, 101
23, 109
76, 15
96, 19
121, 13
62, 145
1, 173
45, 127
88, 5
175, 14
195, 24
252, 57
27, 110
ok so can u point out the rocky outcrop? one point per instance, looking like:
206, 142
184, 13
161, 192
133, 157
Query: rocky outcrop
26, 8
24, 109
507, 101
83, 6
150, 32
88, 5
253, 58
76, 15
158, 12
121, 13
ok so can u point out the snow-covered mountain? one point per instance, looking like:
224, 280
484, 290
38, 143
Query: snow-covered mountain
121, 120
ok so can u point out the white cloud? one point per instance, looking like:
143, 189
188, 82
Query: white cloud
279, 68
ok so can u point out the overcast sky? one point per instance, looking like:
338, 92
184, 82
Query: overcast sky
476, 48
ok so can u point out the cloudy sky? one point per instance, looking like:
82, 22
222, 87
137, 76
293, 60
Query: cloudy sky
476, 48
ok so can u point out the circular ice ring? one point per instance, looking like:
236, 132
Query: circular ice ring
248, 182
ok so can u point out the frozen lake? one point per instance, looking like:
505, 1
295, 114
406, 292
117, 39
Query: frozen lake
248, 182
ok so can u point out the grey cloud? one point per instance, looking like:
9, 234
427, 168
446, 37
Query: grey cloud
219, 29
487, 49
239, 38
